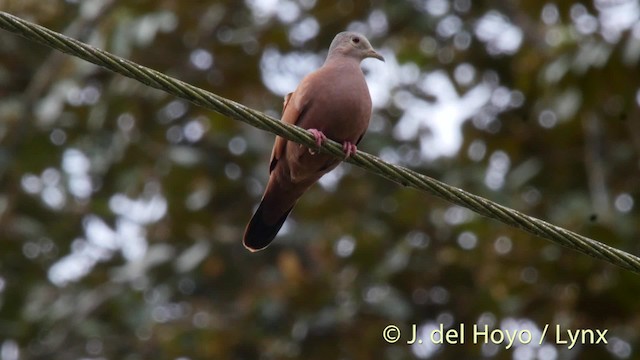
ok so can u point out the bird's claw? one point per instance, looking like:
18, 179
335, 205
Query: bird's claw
319, 136
349, 149
320, 139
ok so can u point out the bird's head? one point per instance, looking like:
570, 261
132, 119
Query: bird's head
352, 44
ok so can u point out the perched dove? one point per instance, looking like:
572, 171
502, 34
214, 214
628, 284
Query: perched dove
332, 102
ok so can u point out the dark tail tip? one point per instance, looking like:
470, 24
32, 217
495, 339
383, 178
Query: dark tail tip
258, 234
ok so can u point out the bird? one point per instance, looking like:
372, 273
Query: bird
332, 102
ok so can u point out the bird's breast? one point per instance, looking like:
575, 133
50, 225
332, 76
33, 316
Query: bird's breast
343, 109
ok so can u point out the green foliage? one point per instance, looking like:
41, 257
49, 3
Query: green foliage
122, 209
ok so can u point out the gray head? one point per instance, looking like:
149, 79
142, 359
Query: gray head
354, 45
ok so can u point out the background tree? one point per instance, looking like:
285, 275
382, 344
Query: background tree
122, 208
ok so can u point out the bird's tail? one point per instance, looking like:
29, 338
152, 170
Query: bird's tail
259, 232
279, 198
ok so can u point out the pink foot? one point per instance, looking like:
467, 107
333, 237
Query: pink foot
349, 149
320, 138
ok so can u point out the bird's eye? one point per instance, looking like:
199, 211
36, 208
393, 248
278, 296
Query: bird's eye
356, 40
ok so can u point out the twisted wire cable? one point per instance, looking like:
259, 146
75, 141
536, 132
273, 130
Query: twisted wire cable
395, 173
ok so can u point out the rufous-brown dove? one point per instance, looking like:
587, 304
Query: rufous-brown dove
332, 102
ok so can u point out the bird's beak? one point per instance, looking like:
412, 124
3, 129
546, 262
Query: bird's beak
374, 54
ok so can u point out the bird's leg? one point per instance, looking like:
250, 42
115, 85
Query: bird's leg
320, 139
349, 149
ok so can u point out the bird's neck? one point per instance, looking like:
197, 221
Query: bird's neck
340, 60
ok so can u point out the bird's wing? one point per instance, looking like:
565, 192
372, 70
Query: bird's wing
292, 111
